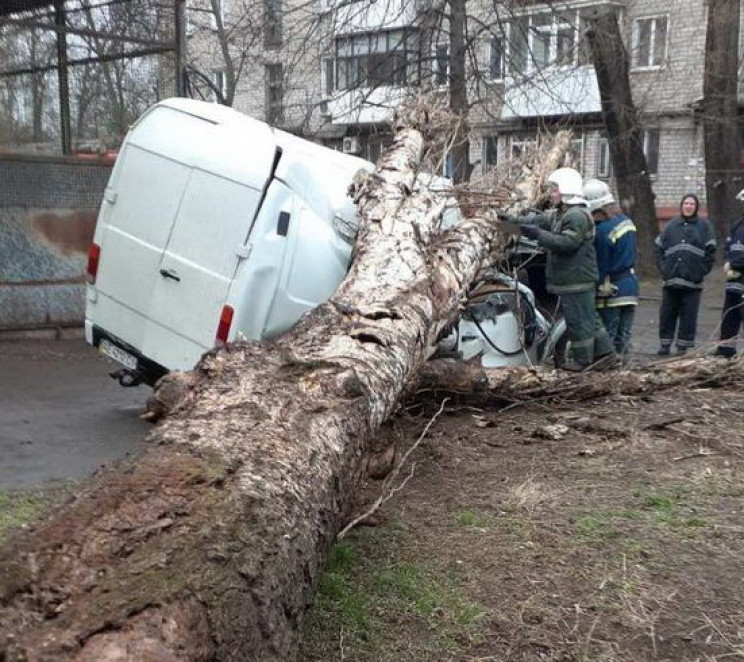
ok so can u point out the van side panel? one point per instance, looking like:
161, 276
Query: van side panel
313, 268
258, 277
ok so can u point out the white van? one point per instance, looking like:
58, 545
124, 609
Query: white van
213, 226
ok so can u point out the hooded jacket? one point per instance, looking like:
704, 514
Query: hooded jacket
685, 250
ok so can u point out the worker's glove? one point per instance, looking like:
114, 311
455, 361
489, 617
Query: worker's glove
730, 273
530, 231
506, 217
607, 288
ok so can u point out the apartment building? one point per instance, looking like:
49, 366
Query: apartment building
335, 70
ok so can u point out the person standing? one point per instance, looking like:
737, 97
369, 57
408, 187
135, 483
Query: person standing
616, 247
733, 270
685, 251
567, 233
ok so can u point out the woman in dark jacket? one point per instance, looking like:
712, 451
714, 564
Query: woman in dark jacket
685, 251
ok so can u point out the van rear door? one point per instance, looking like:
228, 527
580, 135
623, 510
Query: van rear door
198, 266
173, 227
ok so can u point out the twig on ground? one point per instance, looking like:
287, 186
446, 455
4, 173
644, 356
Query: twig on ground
388, 492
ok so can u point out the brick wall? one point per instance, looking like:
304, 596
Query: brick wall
48, 209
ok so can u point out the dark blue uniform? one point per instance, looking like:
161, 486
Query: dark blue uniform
734, 296
617, 248
685, 251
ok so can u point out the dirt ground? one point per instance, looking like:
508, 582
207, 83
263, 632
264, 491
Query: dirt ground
606, 530
610, 530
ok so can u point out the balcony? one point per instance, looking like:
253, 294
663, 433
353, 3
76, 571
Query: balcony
365, 16
552, 91
365, 106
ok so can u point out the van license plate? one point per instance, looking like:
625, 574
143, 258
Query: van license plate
118, 354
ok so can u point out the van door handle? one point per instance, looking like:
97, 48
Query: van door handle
169, 273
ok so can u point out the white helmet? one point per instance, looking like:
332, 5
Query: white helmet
740, 195
597, 194
570, 185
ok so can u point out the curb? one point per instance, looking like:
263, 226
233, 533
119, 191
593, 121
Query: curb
56, 333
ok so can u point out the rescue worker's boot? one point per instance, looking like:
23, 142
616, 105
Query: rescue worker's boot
572, 365
608, 361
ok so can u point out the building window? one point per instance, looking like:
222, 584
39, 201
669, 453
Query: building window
448, 165
650, 41
545, 38
375, 59
219, 82
274, 94
604, 162
272, 23
520, 146
490, 151
326, 75
496, 58
650, 138
440, 68
577, 153
218, 14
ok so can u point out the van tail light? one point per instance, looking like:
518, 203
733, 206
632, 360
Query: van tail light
94, 254
223, 328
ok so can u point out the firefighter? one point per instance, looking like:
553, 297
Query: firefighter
733, 270
566, 232
617, 250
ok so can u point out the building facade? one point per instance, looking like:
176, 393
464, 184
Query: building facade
335, 70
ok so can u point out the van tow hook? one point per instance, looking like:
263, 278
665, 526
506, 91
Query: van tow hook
126, 377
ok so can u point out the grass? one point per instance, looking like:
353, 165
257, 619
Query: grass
363, 597
20, 508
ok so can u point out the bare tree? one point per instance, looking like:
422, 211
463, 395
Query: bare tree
723, 176
610, 60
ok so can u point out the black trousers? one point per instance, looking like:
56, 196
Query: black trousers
730, 323
679, 311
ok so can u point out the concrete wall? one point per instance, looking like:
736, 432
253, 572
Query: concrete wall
48, 209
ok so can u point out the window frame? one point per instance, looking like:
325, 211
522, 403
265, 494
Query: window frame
274, 108
646, 137
219, 80
503, 41
521, 142
214, 23
440, 78
603, 154
360, 65
636, 65
490, 141
527, 35
273, 32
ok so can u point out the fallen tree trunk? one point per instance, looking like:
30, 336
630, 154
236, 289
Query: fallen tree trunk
208, 545
522, 385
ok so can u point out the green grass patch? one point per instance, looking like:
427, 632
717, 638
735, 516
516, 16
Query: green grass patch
366, 600
471, 519
21, 508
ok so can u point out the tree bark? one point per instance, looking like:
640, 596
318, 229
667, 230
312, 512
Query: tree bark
458, 101
208, 545
723, 176
520, 384
635, 194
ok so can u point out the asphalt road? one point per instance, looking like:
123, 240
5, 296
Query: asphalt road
61, 415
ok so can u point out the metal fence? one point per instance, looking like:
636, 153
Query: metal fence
74, 74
